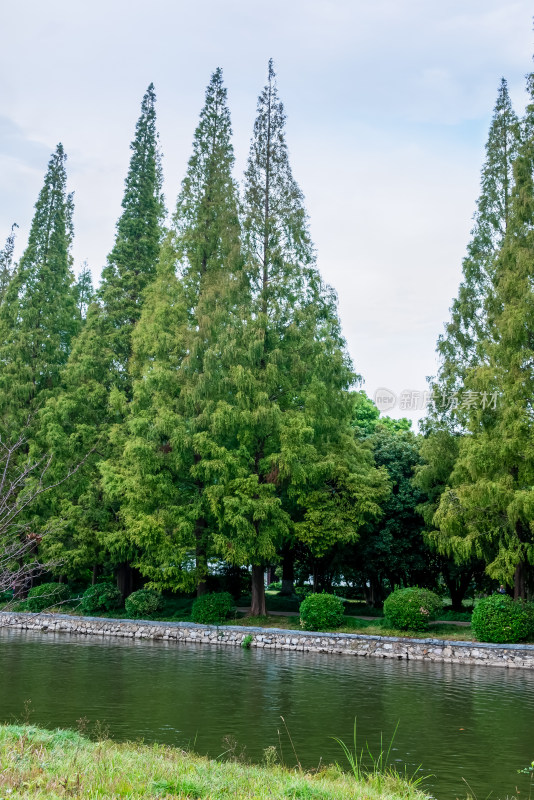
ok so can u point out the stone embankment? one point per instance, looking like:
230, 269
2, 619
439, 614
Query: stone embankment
350, 644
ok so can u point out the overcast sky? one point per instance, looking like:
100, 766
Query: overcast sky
388, 108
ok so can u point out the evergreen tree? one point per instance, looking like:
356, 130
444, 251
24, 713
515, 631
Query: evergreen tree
6, 262
296, 468
38, 316
132, 262
488, 509
168, 461
96, 384
463, 346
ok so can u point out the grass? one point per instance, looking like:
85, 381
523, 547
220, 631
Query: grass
374, 627
45, 765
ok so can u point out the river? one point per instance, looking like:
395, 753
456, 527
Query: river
458, 723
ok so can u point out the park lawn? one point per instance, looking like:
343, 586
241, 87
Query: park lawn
374, 627
48, 765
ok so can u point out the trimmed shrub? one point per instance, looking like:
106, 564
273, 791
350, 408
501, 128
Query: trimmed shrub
47, 595
143, 603
321, 611
212, 609
500, 619
101, 597
411, 609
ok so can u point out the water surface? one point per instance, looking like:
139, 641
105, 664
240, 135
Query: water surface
459, 723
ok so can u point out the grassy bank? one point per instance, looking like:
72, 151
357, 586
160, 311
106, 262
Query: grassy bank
44, 764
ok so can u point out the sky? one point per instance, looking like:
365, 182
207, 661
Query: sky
388, 107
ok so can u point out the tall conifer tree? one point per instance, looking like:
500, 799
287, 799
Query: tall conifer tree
463, 346
39, 317
168, 461
96, 383
296, 468
488, 509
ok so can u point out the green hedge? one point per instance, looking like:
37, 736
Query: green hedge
47, 595
101, 597
411, 609
319, 612
143, 603
212, 608
500, 619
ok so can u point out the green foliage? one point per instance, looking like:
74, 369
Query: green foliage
303, 591
391, 550
182, 361
85, 294
132, 262
319, 612
478, 457
101, 597
47, 595
38, 315
143, 603
212, 608
85, 418
247, 641
500, 619
411, 608
487, 509
366, 417
463, 344
6, 263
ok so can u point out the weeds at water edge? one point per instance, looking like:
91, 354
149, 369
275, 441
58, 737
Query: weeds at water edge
380, 767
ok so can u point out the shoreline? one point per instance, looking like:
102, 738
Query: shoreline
510, 656
50, 765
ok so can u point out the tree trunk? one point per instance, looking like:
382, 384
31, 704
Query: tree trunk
125, 580
95, 574
374, 593
288, 571
271, 574
257, 608
457, 587
318, 577
520, 587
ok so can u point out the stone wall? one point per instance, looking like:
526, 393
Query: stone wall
351, 644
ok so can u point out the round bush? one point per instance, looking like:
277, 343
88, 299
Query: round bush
47, 595
143, 603
500, 619
411, 609
101, 597
321, 611
212, 609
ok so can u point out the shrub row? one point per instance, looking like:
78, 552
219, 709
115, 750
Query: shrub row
496, 618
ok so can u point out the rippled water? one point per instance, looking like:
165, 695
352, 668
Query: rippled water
459, 723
